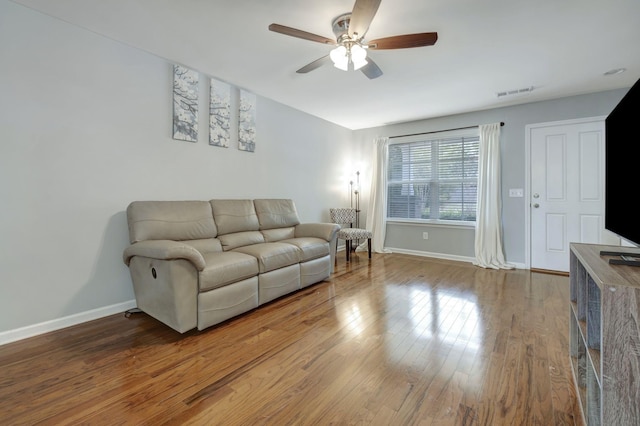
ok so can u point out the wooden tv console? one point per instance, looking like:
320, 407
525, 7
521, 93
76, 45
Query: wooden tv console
605, 335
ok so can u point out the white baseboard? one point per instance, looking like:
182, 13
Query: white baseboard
60, 323
443, 256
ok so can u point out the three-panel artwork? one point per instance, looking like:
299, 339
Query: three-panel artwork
223, 116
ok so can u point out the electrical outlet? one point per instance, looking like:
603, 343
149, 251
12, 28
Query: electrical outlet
425, 235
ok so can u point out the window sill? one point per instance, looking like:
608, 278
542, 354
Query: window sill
432, 223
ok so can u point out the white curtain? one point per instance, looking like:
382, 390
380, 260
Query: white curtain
376, 215
488, 242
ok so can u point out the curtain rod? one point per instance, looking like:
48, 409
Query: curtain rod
439, 131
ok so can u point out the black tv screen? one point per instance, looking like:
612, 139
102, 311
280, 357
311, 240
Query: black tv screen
622, 167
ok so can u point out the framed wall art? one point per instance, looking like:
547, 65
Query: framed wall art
247, 121
219, 113
185, 104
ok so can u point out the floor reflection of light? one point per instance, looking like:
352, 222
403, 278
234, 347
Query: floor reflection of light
421, 313
459, 321
352, 319
434, 317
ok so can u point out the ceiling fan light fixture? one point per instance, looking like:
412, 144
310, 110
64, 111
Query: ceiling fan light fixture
358, 56
340, 58
350, 30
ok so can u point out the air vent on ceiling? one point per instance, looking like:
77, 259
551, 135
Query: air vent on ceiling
523, 91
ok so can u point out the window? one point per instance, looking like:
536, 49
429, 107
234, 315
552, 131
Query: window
433, 179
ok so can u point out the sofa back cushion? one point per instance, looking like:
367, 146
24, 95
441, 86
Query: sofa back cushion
276, 213
234, 216
170, 220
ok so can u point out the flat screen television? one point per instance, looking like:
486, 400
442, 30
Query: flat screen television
622, 163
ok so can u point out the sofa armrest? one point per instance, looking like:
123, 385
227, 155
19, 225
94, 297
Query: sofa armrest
164, 250
326, 231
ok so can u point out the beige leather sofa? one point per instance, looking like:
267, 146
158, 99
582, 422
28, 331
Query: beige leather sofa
198, 263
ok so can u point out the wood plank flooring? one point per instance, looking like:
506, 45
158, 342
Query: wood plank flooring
398, 340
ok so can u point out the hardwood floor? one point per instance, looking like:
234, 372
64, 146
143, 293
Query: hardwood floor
398, 340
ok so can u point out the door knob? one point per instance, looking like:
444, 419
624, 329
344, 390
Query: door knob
536, 195
536, 205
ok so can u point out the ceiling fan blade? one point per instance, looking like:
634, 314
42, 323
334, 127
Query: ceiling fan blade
315, 64
361, 17
277, 28
371, 70
404, 41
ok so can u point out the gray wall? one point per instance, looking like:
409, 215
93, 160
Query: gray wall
86, 129
452, 242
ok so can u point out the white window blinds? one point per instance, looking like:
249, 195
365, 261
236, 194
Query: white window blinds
433, 179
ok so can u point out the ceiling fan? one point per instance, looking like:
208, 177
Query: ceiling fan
351, 50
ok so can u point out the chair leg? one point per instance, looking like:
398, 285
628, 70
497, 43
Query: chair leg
347, 248
369, 246
335, 260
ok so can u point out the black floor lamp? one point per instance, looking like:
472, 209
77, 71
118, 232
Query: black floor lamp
354, 189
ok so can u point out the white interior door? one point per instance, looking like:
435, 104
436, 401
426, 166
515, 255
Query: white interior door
566, 190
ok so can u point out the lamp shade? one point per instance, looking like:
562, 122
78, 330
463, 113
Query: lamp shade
339, 58
358, 52
358, 56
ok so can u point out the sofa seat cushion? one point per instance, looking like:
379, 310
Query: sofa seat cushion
225, 268
311, 247
272, 256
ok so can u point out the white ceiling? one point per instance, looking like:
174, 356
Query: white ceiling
560, 47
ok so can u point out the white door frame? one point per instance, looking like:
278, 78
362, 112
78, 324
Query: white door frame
527, 185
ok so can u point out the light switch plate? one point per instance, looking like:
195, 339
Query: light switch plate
516, 192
